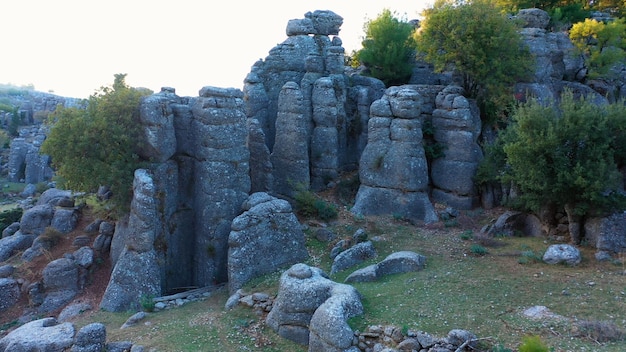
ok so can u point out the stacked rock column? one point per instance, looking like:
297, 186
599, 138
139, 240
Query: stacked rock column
393, 168
457, 126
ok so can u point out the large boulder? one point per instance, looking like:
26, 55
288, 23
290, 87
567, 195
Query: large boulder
56, 197
311, 309
39, 335
36, 219
65, 220
60, 282
90, 338
11, 245
352, 256
562, 253
267, 229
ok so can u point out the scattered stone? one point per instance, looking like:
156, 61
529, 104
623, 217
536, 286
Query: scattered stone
395, 263
73, 310
134, 320
541, 313
353, 256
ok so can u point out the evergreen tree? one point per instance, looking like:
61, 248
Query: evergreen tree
98, 146
388, 49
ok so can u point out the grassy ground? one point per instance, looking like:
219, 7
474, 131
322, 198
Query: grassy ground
468, 283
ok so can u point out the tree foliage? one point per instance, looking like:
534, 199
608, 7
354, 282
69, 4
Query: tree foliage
603, 44
478, 42
98, 145
388, 49
566, 154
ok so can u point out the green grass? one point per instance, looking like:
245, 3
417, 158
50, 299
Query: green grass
485, 294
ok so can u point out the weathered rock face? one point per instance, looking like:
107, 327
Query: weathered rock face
311, 309
607, 234
184, 204
136, 271
457, 125
291, 150
267, 229
301, 88
393, 168
157, 119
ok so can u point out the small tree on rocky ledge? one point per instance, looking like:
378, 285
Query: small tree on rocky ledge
98, 146
479, 43
567, 155
388, 49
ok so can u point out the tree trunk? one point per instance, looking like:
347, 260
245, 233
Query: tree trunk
574, 223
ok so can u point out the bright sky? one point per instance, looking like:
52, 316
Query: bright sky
73, 47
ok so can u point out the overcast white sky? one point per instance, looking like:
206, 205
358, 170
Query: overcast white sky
73, 47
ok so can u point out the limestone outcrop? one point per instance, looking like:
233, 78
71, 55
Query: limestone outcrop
183, 205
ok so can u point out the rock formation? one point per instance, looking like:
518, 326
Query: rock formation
320, 320
457, 125
184, 204
307, 109
393, 168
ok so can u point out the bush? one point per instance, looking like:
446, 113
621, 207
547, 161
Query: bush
533, 344
51, 236
99, 145
309, 204
478, 249
388, 49
147, 303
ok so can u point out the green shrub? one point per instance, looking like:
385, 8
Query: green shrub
308, 204
478, 249
533, 344
8, 217
147, 302
467, 235
388, 49
565, 154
